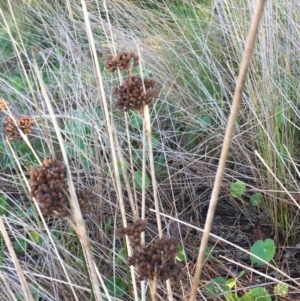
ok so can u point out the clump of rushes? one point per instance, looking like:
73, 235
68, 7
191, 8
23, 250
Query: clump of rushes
122, 61
3, 105
12, 128
49, 188
134, 93
156, 261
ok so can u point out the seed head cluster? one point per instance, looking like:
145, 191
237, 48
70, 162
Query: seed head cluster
12, 130
122, 61
3, 105
133, 231
84, 197
48, 186
156, 261
135, 93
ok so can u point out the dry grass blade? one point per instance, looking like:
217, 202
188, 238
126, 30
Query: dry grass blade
110, 134
77, 215
26, 290
7, 287
192, 50
227, 141
276, 179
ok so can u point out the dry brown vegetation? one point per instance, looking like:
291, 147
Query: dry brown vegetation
156, 163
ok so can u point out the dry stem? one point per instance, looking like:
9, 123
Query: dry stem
227, 141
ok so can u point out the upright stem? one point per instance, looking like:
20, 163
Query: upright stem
227, 141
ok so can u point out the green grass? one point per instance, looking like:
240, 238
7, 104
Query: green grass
193, 50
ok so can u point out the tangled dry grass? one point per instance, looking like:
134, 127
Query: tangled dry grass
192, 52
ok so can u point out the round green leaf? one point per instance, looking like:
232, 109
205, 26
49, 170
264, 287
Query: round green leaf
256, 199
20, 245
138, 176
260, 294
237, 189
263, 249
116, 286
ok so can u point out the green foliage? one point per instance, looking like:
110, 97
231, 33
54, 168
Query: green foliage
263, 249
204, 122
2, 250
257, 294
6, 161
155, 141
138, 176
123, 164
255, 199
222, 287
19, 296
160, 162
237, 189
181, 256
217, 286
208, 253
35, 290
23, 152
6, 47
108, 224
56, 234
17, 82
281, 289
77, 129
3, 204
116, 287
280, 118
122, 254
20, 245
36, 237
135, 119
31, 211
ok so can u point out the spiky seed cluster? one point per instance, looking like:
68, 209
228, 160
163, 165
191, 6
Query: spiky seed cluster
49, 188
122, 61
131, 94
24, 124
84, 196
3, 105
133, 231
156, 261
